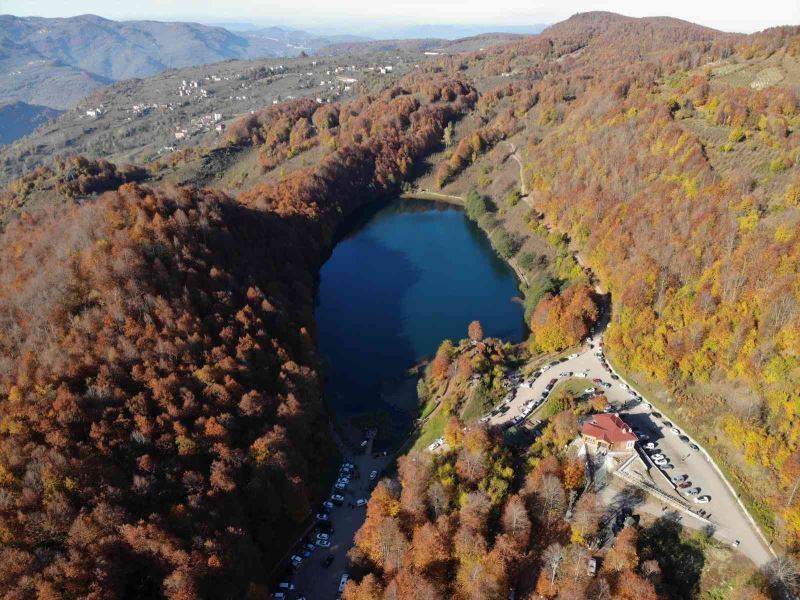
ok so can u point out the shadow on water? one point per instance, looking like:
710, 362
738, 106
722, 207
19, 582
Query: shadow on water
403, 277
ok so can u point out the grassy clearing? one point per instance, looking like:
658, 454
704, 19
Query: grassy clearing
431, 430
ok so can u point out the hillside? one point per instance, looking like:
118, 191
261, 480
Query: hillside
143, 120
56, 62
163, 433
145, 309
18, 119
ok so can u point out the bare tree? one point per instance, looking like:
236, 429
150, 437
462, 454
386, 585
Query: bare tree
782, 574
551, 558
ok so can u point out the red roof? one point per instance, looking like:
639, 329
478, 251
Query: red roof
608, 428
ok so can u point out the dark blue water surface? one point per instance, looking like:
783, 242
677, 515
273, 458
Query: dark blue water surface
405, 277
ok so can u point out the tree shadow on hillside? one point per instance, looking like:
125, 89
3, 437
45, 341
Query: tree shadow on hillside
681, 562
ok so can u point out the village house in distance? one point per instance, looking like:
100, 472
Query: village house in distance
608, 432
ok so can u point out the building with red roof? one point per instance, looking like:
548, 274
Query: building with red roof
610, 432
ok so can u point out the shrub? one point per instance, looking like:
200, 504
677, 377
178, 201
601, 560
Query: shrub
506, 244
474, 205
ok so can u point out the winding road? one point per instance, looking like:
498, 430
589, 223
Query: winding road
731, 520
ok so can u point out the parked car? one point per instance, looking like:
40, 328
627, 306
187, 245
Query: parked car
324, 543
327, 504
614, 376
373, 475
703, 499
581, 374
323, 516
661, 462
565, 374
296, 560
667, 467
361, 502
343, 582
675, 431
692, 491
657, 456
337, 498
656, 414
597, 380
278, 596
694, 446
606, 385
679, 478
286, 585
685, 485
323, 536
571, 356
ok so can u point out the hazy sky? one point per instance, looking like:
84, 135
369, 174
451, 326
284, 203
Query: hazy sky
729, 15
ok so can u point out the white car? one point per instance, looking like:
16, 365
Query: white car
703, 499
649, 446
571, 356
675, 431
581, 374
661, 462
658, 456
588, 391
322, 516
343, 582
324, 543
373, 474
323, 536
285, 585
361, 502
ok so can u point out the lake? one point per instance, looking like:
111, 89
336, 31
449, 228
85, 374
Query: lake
405, 276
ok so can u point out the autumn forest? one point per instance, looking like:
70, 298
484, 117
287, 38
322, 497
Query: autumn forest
163, 428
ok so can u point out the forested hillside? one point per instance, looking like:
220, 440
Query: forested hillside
162, 430
666, 153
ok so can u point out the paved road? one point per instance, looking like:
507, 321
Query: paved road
312, 579
731, 519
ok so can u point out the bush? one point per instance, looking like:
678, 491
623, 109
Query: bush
736, 135
513, 197
475, 205
506, 244
544, 284
531, 260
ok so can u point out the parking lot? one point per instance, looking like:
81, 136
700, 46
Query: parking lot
682, 456
319, 573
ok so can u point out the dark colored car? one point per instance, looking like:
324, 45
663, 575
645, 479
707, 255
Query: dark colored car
327, 561
614, 376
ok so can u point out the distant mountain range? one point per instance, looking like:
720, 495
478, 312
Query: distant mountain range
56, 62
19, 118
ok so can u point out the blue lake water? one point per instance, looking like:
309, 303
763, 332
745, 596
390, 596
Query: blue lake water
403, 278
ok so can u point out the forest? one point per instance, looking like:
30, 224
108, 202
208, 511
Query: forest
162, 429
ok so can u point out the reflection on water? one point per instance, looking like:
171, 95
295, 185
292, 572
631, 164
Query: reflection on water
404, 277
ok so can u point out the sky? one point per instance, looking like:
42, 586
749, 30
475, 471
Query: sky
351, 15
